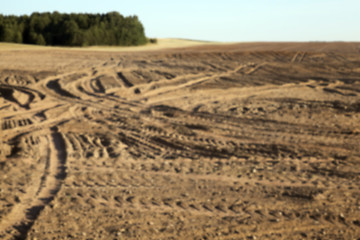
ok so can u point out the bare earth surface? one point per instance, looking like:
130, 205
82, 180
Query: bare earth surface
239, 141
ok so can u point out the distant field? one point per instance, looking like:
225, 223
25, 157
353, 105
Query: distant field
15, 46
196, 45
161, 44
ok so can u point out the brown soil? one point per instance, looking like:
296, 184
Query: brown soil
238, 141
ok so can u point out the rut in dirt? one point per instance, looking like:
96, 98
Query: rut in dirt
53, 183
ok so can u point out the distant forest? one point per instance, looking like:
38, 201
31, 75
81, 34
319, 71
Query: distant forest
59, 29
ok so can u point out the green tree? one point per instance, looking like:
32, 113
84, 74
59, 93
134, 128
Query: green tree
72, 29
18, 38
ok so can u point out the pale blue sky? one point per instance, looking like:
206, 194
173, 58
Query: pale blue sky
222, 20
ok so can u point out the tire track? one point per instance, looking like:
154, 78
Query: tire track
19, 221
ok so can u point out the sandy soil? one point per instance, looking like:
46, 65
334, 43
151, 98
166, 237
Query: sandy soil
238, 141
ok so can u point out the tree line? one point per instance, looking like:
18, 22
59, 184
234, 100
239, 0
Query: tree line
59, 29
